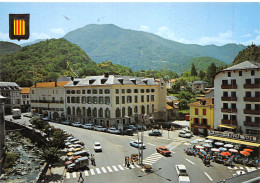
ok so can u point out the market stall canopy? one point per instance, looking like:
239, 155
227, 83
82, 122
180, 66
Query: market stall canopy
233, 150
219, 143
225, 153
248, 150
223, 149
228, 145
227, 126
245, 153
182, 123
208, 141
215, 150
234, 141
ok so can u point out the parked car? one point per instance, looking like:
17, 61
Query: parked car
77, 124
97, 147
88, 126
127, 132
79, 163
139, 127
72, 158
28, 115
45, 119
182, 174
100, 128
131, 127
113, 130
163, 150
66, 122
79, 153
155, 133
184, 134
137, 144
78, 142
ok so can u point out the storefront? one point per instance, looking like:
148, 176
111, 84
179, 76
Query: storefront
200, 129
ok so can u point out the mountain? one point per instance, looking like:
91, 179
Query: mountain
50, 59
202, 63
141, 50
33, 42
251, 53
7, 47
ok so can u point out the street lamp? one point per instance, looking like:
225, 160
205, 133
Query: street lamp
142, 138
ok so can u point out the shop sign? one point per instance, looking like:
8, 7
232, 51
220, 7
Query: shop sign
231, 135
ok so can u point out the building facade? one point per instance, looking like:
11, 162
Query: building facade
48, 98
237, 98
25, 100
199, 85
115, 100
11, 91
202, 116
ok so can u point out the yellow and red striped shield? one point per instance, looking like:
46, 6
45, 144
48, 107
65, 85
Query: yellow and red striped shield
19, 26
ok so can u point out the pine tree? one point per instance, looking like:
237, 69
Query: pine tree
193, 70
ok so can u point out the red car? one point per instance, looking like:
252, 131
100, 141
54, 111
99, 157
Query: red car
163, 150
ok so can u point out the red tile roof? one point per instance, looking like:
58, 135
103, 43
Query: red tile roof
209, 102
25, 90
50, 84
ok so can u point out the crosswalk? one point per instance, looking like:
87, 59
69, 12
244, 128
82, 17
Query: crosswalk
100, 170
242, 170
152, 158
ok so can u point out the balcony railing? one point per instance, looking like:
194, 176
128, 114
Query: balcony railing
48, 101
249, 111
232, 86
252, 124
229, 122
249, 86
232, 110
228, 98
252, 99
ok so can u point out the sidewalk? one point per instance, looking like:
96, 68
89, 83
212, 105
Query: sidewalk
56, 175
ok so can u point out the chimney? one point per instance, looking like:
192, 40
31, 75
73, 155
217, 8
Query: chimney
106, 75
72, 78
35, 85
55, 83
212, 100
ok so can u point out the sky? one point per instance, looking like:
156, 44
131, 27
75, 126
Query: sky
202, 23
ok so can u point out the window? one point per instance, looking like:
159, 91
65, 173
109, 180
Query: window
94, 91
252, 132
68, 111
88, 91
204, 112
147, 90
128, 90
107, 91
123, 99
130, 111
257, 120
248, 81
89, 111
240, 73
89, 100
248, 94
225, 105
257, 94
224, 82
118, 112
95, 112
257, 107
123, 90
233, 82
100, 113
204, 121
83, 100
72, 91
68, 91
68, 99
135, 90
94, 100
147, 98
142, 98
117, 100
252, 72
129, 99
143, 109
147, 109
248, 119
107, 100
257, 81
229, 74
117, 91
233, 94
107, 113
78, 111
233, 117
123, 112
136, 99
196, 111
196, 120
100, 100
32, 91
73, 100
152, 90
233, 106
152, 98
100, 91
152, 108
225, 117
136, 109
142, 90
248, 106
225, 94
83, 91
84, 110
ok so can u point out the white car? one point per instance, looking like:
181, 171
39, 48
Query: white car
137, 144
97, 147
184, 134
88, 126
182, 174
77, 124
100, 128
65, 122
113, 130
45, 119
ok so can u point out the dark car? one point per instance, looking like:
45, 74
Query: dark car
127, 132
155, 133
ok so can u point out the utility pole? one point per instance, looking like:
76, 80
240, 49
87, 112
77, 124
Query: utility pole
142, 139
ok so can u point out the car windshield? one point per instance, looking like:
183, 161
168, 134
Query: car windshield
97, 144
183, 172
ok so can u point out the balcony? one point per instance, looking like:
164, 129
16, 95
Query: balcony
48, 101
250, 86
228, 98
228, 122
250, 111
229, 110
251, 124
232, 86
252, 99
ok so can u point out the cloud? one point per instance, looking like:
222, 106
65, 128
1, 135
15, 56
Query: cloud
257, 31
255, 41
57, 31
39, 36
221, 39
144, 28
4, 36
246, 35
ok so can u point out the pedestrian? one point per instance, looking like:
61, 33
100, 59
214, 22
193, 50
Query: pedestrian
80, 177
91, 159
94, 162
125, 161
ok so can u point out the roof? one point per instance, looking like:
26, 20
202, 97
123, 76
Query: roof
208, 102
111, 80
244, 65
169, 107
25, 90
200, 82
9, 86
208, 91
50, 84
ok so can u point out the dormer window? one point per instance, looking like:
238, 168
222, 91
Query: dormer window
133, 80
103, 81
91, 81
121, 80
145, 81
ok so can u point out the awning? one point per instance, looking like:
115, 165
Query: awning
226, 126
234, 141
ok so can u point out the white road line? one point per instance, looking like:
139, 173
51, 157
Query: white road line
67, 175
86, 173
121, 168
150, 161
153, 158
109, 169
151, 144
98, 171
103, 169
74, 174
137, 166
115, 168
242, 168
132, 166
208, 176
92, 172
190, 161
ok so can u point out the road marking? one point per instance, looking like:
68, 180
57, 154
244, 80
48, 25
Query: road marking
121, 168
242, 168
103, 169
173, 152
109, 169
67, 175
208, 176
86, 173
132, 166
92, 172
152, 158
137, 166
151, 144
98, 171
74, 175
190, 161
148, 163
115, 168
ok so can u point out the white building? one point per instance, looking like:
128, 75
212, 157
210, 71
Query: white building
48, 98
237, 98
199, 85
115, 100
25, 100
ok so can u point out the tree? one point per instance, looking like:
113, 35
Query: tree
202, 74
176, 87
193, 70
211, 71
57, 139
51, 154
183, 104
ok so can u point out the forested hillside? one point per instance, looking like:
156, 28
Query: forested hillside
202, 63
7, 47
251, 53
